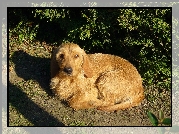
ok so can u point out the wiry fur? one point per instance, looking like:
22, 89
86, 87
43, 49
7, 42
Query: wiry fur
101, 81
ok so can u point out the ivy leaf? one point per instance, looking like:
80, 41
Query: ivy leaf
167, 121
161, 115
153, 119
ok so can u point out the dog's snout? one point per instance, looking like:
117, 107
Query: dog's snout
68, 70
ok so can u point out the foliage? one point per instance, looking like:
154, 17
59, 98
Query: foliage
143, 36
162, 120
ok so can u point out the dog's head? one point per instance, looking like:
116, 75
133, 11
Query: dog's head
72, 60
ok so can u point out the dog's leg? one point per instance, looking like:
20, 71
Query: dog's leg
121, 106
54, 82
84, 100
116, 107
119, 91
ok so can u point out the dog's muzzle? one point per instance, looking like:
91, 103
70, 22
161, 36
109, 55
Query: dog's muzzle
68, 70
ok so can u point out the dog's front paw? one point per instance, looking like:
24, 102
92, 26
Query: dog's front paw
105, 108
102, 108
54, 83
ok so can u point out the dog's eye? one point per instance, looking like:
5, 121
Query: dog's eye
76, 56
61, 56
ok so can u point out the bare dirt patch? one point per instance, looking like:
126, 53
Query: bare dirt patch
32, 104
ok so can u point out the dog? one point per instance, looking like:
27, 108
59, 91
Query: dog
102, 81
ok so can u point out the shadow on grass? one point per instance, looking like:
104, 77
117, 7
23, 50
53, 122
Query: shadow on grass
29, 109
33, 68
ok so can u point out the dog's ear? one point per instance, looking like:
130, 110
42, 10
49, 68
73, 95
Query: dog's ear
87, 66
54, 68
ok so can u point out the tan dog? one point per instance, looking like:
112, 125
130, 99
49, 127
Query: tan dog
101, 81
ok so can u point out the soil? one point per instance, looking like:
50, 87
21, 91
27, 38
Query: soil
32, 104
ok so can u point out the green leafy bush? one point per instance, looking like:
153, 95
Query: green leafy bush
143, 36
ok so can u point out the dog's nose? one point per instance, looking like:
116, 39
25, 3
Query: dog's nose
68, 70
